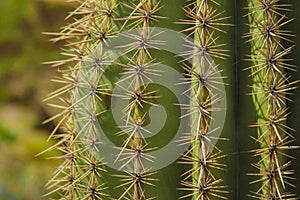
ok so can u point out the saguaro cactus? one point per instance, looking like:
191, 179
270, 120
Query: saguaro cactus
88, 95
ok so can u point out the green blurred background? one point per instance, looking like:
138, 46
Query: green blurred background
24, 82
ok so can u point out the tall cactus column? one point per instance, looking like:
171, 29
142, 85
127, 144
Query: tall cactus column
271, 86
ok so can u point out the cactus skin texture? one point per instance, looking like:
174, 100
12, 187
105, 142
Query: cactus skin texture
206, 23
270, 88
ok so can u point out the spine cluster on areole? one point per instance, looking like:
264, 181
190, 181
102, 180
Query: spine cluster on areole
80, 174
203, 78
271, 85
135, 83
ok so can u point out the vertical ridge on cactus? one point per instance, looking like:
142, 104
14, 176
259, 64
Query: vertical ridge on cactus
271, 85
205, 22
80, 174
135, 84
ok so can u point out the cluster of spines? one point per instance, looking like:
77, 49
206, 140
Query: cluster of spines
270, 88
135, 83
203, 78
80, 174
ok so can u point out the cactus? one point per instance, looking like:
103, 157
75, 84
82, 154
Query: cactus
270, 88
92, 71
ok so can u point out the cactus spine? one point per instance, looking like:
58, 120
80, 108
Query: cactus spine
270, 88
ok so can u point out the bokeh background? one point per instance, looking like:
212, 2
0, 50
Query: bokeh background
24, 82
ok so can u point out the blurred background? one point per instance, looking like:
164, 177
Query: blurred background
24, 82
